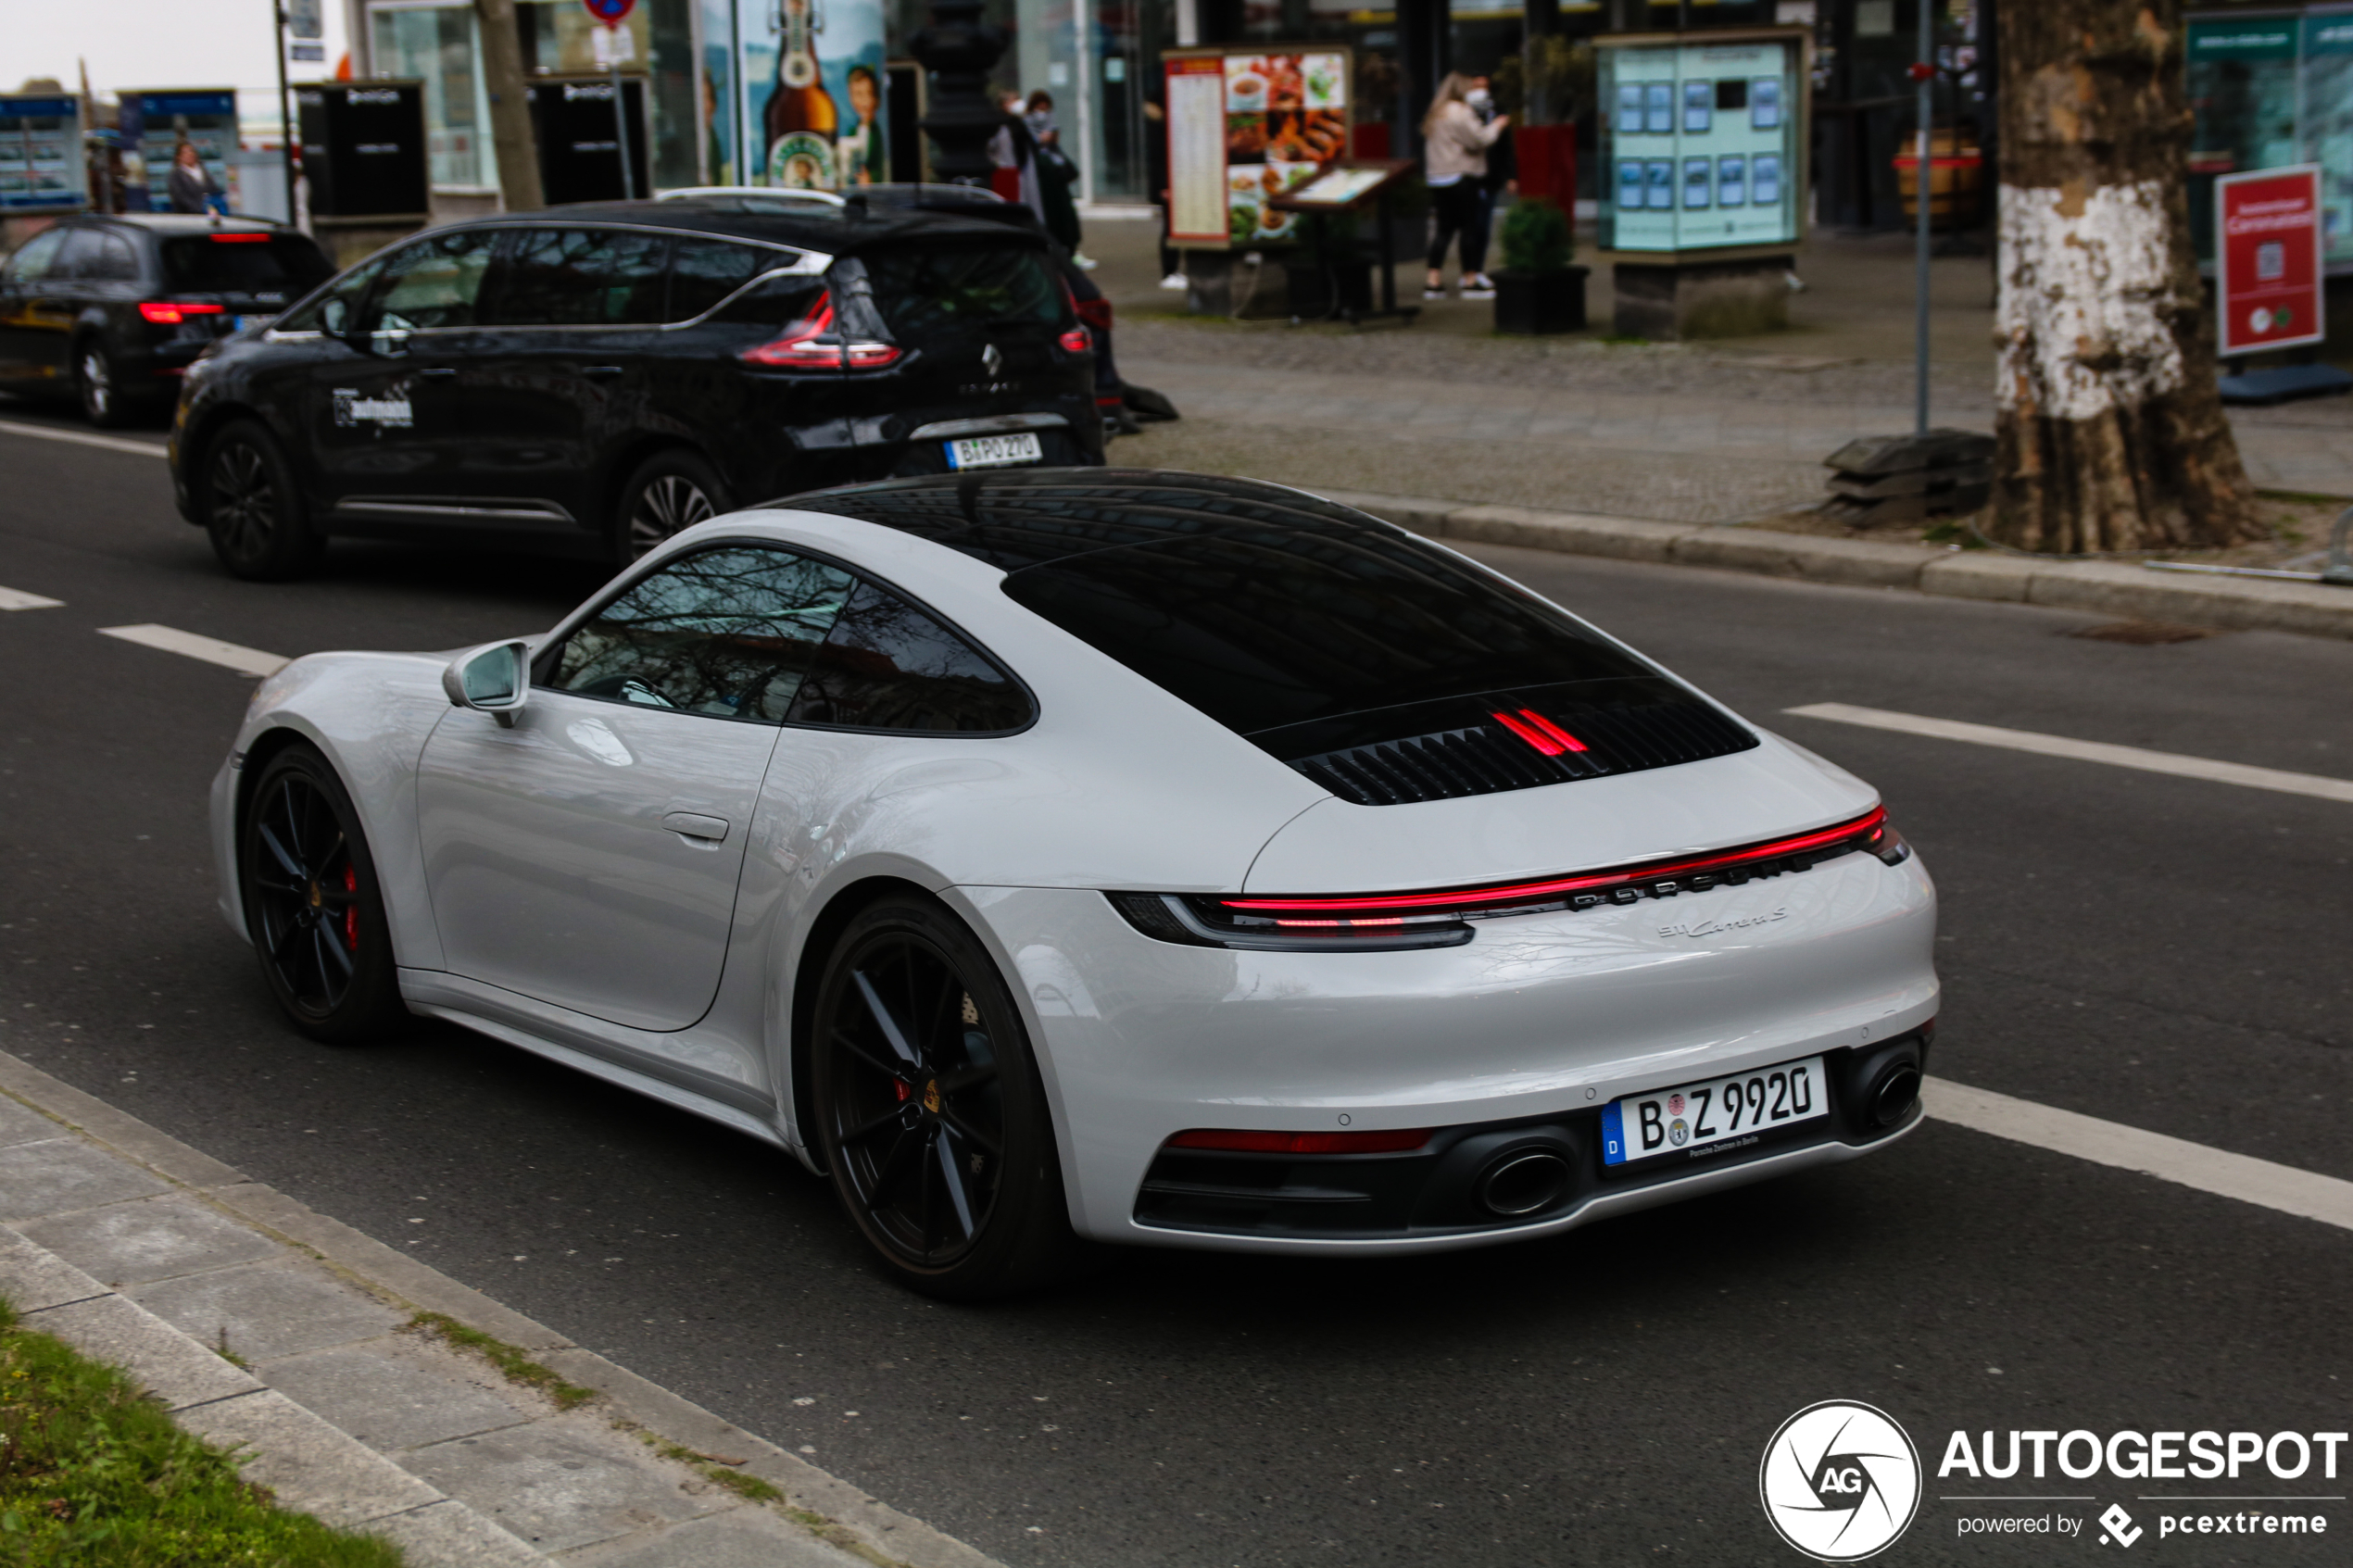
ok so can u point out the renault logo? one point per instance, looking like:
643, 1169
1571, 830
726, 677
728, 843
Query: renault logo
991, 361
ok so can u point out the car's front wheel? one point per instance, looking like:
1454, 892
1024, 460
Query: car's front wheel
313, 906
251, 508
669, 491
930, 1111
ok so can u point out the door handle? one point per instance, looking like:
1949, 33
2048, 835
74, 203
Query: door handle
434, 372
687, 824
601, 372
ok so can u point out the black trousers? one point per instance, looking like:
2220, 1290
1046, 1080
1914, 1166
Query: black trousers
1460, 208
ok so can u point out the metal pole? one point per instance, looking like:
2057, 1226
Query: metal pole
1922, 182
619, 118
286, 112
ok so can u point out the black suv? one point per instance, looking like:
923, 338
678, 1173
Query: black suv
591, 378
113, 309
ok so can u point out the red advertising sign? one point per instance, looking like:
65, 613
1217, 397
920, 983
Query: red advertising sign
2268, 258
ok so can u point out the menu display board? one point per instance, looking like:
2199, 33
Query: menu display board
41, 154
1244, 125
1701, 143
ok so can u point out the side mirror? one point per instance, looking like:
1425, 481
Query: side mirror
493, 679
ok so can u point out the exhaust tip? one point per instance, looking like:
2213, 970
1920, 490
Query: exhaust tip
1892, 1097
1527, 1182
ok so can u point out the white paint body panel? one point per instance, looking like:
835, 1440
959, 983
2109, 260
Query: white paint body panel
1118, 786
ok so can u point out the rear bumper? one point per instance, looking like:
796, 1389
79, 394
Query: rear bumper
1540, 1020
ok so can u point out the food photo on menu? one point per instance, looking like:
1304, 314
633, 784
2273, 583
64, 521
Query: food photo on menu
1286, 117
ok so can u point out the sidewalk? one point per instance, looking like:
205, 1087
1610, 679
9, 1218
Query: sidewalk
329, 1358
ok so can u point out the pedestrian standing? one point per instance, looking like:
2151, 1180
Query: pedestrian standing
1454, 165
1056, 175
190, 185
1172, 268
1503, 159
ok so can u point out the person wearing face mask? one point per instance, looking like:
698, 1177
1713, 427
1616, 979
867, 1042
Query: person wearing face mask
1454, 144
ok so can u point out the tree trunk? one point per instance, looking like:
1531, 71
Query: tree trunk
503, 83
2111, 431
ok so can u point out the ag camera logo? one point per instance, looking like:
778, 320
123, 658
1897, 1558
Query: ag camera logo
1840, 1481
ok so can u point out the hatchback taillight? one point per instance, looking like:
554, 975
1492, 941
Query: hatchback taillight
171, 312
1077, 341
1095, 313
812, 344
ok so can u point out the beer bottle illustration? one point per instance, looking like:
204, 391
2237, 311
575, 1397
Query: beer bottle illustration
802, 120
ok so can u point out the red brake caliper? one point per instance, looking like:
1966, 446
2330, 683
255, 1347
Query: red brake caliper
351, 911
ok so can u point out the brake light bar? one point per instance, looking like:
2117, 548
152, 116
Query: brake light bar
1238, 1142
811, 343
241, 239
171, 312
1538, 731
1861, 832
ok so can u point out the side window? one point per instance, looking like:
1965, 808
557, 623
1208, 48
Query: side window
334, 311
116, 263
888, 666
703, 272
432, 283
82, 249
35, 257
731, 632
581, 277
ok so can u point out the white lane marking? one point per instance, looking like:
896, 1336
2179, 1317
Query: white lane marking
17, 598
212, 650
2302, 1193
2171, 762
85, 438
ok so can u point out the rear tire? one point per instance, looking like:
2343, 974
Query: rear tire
95, 382
313, 906
251, 506
668, 492
930, 1111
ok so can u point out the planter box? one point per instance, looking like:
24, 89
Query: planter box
1531, 304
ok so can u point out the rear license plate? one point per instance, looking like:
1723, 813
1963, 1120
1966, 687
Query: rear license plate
239, 323
1739, 1105
994, 451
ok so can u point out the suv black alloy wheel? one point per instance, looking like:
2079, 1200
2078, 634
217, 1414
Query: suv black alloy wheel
669, 491
251, 508
93, 378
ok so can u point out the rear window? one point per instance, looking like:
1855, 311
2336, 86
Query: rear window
286, 264
703, 272
1263, 628
948, 288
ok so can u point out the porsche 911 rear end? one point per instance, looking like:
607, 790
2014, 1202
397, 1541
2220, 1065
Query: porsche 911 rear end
1565, 937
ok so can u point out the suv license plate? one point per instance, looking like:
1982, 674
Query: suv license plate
239, 323
1738, 1106
993, 451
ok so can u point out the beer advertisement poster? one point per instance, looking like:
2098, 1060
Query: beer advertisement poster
813, 94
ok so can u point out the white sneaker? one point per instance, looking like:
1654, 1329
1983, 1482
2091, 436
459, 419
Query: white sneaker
1175, 280
1084, 263
1433, 294
1478, 288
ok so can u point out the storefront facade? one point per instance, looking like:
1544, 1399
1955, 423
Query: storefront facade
2271, 88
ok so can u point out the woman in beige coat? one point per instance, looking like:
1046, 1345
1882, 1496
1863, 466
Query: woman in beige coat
1455, 164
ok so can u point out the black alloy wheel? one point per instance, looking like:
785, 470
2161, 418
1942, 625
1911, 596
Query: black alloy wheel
669, 492
95, 379
313, 907
929, 1109
250, 506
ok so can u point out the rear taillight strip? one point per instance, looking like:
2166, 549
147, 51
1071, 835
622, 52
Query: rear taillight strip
1511, 895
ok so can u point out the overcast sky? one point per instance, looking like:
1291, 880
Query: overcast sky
133, 43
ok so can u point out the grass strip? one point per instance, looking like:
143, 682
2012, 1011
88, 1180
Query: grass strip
511, 1360
93, 1470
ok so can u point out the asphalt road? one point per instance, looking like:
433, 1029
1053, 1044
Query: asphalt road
2162, 952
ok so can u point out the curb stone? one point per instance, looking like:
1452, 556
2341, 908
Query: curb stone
130, 1199
2116, 588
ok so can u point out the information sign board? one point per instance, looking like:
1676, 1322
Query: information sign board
1703, 140
41, 154
155, 123
2268, 273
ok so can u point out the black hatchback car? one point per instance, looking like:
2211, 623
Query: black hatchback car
112, 310
591, 378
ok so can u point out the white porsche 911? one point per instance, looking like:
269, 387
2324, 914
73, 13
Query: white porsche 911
1062, 856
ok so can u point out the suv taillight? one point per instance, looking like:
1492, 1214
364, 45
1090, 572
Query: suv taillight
812, 344
171, 312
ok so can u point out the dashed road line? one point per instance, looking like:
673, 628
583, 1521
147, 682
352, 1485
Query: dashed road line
212, 650
2304, 1194
17, 598
2314, 784
86, 438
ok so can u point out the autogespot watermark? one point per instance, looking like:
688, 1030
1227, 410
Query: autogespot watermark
1840, 1481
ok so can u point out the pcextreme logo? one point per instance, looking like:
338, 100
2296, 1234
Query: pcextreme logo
1840, 1481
